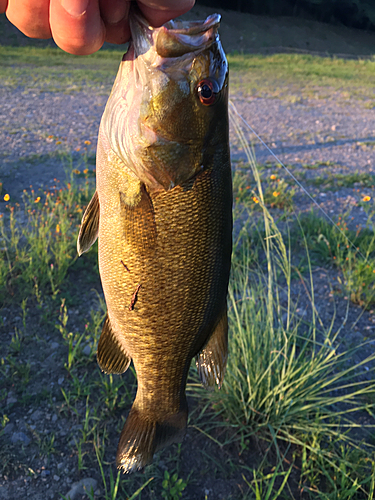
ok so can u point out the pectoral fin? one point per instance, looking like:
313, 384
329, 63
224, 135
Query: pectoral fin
212, 359
139, 221
88, 232
111, 355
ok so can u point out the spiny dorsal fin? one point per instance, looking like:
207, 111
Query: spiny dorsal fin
212, 359
111, 356
88, 232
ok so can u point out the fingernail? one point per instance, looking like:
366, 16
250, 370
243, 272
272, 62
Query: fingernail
75, 8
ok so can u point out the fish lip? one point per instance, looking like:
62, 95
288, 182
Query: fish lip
176, 26
174, 38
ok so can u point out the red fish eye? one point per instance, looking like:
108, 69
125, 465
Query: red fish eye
206, 92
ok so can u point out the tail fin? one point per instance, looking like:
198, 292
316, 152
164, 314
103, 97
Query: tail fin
141, 438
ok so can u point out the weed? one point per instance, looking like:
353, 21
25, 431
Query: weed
352, 252
4, 420
172, 486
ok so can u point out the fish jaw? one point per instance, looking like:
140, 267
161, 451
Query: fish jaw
154, 120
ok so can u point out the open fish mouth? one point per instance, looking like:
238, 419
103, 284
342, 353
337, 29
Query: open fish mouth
175, 38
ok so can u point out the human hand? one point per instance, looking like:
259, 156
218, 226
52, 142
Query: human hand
82, 26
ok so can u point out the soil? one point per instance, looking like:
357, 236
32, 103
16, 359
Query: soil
310, 131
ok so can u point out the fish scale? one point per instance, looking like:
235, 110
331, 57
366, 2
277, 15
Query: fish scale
162, 212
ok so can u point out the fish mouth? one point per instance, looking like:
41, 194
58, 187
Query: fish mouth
175, 38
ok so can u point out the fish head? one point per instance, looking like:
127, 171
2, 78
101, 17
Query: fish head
167, 114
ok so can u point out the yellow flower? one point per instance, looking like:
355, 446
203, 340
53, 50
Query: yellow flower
58, 142
86, 171
273, 177
87, 142
275, 194
57, 228
76, 171
6, 197
255, 199
366, 198
37, 200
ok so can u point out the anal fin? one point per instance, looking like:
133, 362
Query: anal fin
111, 356
212, 359
88, 232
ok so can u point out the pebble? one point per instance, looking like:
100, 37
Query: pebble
56, 478
86, 350
20, 436
8, 428
37, 415
81, 488
11, 399
60, 380
54, 345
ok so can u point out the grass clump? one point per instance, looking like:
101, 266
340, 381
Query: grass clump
288, 382
38, 239
351, 251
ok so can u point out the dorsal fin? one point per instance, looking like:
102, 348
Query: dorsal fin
88, 232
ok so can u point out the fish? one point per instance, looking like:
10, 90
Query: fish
162, 213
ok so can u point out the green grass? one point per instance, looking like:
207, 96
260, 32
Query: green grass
342, 180
57, 70
291, 76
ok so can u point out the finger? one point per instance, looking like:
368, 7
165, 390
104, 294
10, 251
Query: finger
76, 25
159, 12
115, 17
32, 18
3, 6
114, 11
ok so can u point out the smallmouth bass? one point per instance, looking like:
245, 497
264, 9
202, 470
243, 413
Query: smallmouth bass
163, 213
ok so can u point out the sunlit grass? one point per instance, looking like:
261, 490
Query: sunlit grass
273, 74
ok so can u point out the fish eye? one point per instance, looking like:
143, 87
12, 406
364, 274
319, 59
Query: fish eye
206, 93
